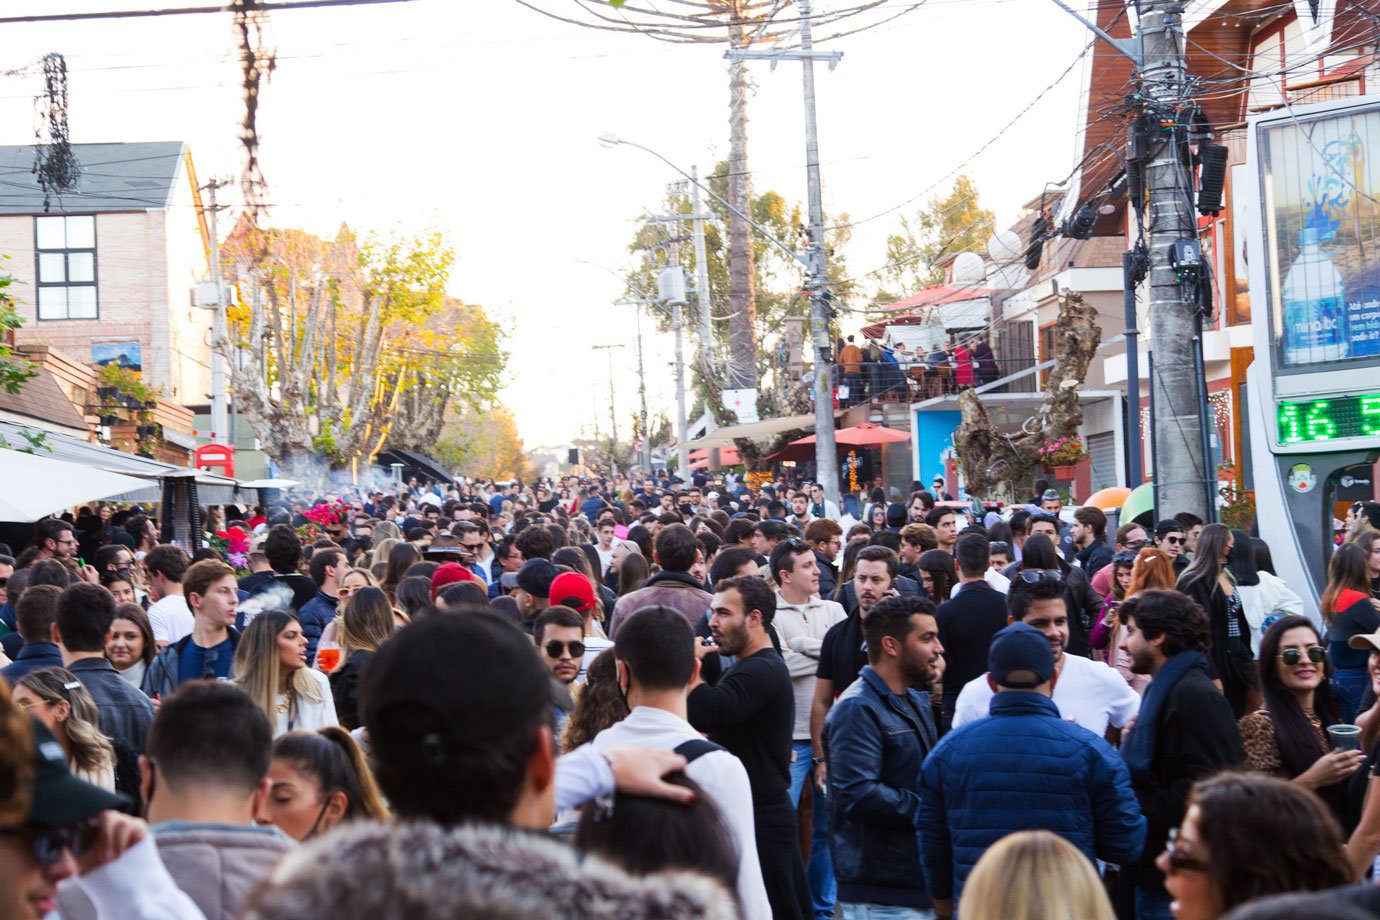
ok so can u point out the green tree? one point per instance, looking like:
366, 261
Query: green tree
947, 225
14, 370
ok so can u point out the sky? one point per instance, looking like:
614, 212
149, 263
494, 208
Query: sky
480, 118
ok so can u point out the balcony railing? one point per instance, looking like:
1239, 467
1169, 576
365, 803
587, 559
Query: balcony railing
912, 381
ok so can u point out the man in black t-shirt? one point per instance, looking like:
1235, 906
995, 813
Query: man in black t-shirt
750, 711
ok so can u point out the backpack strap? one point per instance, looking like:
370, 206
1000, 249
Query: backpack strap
696, 748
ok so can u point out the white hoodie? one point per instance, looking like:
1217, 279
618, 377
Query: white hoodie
801, 629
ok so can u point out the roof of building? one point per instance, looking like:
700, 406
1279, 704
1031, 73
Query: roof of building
42, 398
937, 295
114, 177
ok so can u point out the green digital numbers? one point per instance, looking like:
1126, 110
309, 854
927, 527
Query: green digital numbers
1329, 419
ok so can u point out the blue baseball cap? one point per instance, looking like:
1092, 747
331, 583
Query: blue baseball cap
1020, 658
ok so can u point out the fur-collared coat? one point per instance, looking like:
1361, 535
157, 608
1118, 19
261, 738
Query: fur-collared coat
421, 871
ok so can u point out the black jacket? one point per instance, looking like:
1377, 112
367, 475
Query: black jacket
1232, 660
1093, 557
1195, 736
875, 742
906, 587
345, 681
828, 576
967, 624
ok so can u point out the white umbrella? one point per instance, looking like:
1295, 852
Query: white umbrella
36, 486
270, 484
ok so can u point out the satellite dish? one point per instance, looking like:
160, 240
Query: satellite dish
968, 268
1005, 247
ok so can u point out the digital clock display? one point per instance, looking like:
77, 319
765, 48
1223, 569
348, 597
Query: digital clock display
1329, 419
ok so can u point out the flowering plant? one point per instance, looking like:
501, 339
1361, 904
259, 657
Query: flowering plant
1062, 451
320, 518
233, 546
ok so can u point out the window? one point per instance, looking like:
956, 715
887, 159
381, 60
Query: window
1049, 350
66, 267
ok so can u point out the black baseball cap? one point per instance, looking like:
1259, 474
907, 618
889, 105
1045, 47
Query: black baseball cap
535, 577
1020, 657
59, 797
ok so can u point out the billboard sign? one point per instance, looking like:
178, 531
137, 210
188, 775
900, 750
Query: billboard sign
1321, 220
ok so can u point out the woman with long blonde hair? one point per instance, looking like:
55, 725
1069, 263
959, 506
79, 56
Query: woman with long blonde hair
57, 698
1034, 875
378, 557
271, 666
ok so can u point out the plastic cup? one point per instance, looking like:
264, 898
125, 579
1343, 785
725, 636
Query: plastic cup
1344, 737
328, 656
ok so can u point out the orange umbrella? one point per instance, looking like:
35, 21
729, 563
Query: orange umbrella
864, 435
1108, 498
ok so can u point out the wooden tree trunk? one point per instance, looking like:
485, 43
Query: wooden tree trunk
992, 460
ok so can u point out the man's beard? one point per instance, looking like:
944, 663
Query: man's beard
917, 671
732, 641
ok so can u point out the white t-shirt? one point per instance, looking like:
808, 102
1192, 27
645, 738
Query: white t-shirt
605, 557
722, 777
170, 618
1087, 692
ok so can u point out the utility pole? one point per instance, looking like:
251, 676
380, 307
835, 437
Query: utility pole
613, 409
641, 384
826, 453
220, 403
702, 292
1182, 475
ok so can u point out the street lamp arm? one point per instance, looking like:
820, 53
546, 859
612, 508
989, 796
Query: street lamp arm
611, 140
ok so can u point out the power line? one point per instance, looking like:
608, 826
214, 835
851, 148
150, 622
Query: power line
189, 11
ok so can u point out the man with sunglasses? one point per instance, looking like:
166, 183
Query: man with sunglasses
54, 540
71, 830
559, 634
1085, 691
1170, 537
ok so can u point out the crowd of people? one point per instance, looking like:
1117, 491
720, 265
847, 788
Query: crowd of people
652, 698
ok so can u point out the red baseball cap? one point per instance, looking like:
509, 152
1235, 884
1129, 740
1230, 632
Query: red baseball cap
449, 574
573, 590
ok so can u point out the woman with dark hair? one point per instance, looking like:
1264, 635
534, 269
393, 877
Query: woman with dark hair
365, 625
1370, 544
876, 518
319, 780
633, 573
1288, 737
129, 645
1264, 562
413, 595
1210, 583
1264, 598
400, 558
600, 704
1347, 611
937, 572
643, 538
1246, 836
644, 835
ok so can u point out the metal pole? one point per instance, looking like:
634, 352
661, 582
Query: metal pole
1135, 473
702, 294
682, 452
826, 453
220, 415
701, 274
1204, 413
1180, 465
642, 397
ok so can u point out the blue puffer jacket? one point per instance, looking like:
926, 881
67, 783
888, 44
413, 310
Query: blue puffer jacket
1024, 768
875, 742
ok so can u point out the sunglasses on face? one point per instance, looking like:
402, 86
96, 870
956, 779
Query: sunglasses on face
1292, 656
1174, 541
554, 649
49, 842
1136, 545
1124, 559
1178, 861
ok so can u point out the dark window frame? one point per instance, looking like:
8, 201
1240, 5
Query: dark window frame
39, 283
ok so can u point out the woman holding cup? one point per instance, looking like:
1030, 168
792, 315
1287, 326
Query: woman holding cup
1292, 735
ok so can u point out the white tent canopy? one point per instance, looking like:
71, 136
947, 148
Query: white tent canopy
36, 486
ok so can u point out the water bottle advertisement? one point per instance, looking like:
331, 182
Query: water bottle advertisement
1322, 217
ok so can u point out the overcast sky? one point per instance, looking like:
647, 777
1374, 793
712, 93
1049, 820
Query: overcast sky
480, 117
